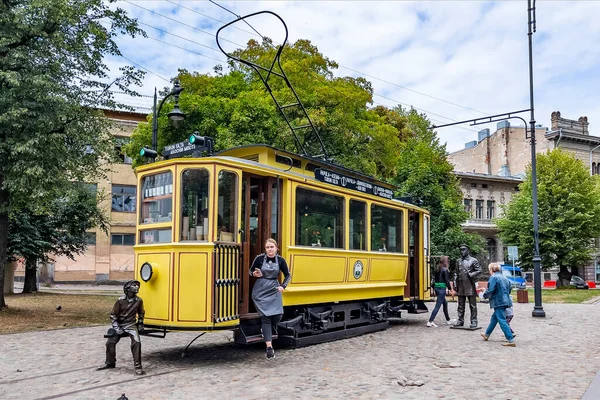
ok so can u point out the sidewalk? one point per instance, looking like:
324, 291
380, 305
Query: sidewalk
109, 290
556, 358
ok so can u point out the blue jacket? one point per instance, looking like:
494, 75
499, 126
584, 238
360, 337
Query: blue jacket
498, 291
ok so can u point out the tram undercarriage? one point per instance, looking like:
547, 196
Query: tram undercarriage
306, 325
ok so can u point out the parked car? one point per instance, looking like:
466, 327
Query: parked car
578, 282
514, 275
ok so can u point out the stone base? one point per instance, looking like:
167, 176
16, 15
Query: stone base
465, 327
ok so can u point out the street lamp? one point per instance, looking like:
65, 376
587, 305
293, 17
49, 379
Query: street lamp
538, 310
175, 116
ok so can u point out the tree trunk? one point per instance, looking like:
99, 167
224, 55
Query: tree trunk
3, 239
564, 277
30, 285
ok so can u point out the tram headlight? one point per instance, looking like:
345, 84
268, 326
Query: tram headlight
146, 272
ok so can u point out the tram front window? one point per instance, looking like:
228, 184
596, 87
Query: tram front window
386, 229
319, 219
157, 198
194, 204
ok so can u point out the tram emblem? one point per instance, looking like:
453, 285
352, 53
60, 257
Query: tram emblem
358, 269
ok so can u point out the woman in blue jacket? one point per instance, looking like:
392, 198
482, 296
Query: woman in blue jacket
498, 292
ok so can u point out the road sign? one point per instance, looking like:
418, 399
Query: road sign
178, 149
513, 253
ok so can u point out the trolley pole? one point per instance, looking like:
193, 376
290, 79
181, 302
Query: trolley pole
538, 310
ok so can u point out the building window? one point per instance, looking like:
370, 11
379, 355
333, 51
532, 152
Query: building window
479, 209
90, 238
484, 185
319, 219
468, 206
120, 143
358, 215
490, 209
547, 276
123, 198
473, 185
122, 239
386, 229
594, 168
491, 249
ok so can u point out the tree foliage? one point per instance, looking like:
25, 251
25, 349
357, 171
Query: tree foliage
52, 81
569, 208
58, 230
236, 109
425, 174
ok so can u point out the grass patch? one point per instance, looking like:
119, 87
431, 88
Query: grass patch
37, 311
572, 296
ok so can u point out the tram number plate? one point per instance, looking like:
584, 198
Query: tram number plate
348, 182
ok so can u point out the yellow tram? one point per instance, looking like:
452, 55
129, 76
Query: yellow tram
357, 256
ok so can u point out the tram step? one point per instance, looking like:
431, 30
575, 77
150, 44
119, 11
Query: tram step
241, 338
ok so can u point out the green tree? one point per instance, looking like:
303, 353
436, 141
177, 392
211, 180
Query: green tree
425, 174
59, 230
568, 213
52, 81
236, 109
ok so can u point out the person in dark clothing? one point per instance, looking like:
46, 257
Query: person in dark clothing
123, 320
267, 290
441, 285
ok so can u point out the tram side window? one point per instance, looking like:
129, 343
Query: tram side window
194, 204
386, 229
157, 198
358, 215
227, 207
319, 219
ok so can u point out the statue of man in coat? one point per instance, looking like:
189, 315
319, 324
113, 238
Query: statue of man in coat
468, 271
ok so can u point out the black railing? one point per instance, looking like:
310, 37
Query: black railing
226, 262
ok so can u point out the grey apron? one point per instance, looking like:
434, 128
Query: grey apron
267, 298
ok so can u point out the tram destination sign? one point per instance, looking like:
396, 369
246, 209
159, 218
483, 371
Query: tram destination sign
178, 149
337, 179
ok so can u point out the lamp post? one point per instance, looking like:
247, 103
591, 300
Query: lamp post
175, 116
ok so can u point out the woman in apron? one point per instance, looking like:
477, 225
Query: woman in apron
267, 290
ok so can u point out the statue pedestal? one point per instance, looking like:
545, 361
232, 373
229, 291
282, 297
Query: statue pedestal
465, 328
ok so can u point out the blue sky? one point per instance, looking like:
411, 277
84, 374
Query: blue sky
452, 60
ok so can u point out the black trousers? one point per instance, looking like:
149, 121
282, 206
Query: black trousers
268, 324
472, 308
111, 350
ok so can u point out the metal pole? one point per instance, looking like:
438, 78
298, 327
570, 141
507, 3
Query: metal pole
154, 124
538, 310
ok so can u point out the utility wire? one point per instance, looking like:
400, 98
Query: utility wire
179, 37
146, 69
348, 68
387, 98
258, 33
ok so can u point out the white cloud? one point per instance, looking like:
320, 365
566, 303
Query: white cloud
470, 53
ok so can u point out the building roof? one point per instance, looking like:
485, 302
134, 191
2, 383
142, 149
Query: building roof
574, 137
488, 177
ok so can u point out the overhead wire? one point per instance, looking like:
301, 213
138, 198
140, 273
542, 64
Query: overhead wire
258, 33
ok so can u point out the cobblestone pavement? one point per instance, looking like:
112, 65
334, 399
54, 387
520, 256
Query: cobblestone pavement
556, 358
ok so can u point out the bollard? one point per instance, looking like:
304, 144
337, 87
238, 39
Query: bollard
522, 296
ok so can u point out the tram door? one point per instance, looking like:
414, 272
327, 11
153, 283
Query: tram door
412, 281
259, 222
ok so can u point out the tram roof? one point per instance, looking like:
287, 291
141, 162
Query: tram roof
308, 163
263, 155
